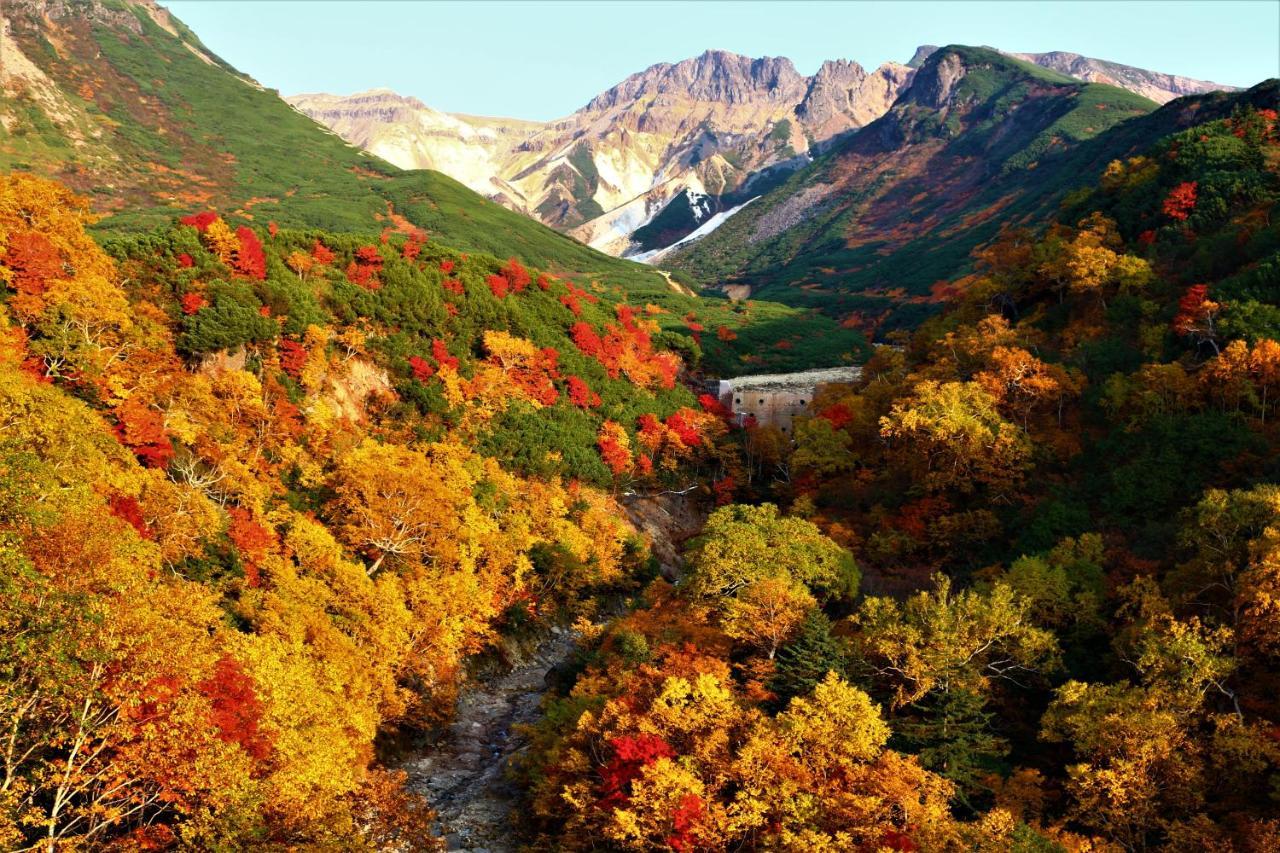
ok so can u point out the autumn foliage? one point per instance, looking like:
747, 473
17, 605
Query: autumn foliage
250, 536
264, 512
1180, 201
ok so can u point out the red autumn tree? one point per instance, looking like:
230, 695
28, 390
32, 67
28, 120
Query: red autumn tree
1180, 201
683, 821
323, 254
34, 260
723, 489
185, 261
644, 465
581, 395
141, 429
235, 710
516, 275
250, 261
612, 442
498, 285
127, 509
193, 302
1197, 315
363, 271
440, 352
293, 357
712, 406
422, 369
688, 434
631, 754
838, 415
200, 221
568, 300
252, 540
586, 339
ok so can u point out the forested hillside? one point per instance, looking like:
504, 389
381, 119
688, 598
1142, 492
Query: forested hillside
265, 492
297, 448
120, 101
1024, 596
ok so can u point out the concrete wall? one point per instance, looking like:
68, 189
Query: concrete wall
776, 399
771, 407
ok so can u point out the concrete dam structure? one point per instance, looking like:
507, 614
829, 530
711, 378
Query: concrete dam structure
775, 399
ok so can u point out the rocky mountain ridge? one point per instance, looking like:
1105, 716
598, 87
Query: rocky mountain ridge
1152, 85
683, 141
876, 228
702, 126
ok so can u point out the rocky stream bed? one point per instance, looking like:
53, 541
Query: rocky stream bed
463, 775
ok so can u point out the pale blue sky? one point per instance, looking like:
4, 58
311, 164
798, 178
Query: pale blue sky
542, 60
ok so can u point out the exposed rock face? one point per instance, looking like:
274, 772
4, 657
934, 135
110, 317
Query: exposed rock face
92, 10
716, 75
1159, 87
408, 133
842, 96
463, 774
935, 83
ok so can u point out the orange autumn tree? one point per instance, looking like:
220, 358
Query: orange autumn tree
78, 321
529, 371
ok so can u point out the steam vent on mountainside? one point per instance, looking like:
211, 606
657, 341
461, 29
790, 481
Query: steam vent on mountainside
775, 399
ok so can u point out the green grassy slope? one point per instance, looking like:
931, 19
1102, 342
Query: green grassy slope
166, 128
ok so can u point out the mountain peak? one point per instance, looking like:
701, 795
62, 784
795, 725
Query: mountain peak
842, 96
922, 53
938, 81
716, 76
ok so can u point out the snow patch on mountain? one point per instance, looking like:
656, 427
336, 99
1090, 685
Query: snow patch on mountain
612, 231
697, 234
699, 205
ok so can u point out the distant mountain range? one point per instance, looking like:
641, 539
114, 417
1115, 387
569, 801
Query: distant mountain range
704, 127
650, 161
981, 140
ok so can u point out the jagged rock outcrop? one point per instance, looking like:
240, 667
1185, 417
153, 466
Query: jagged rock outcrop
936, 82
843, 96
716, 75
